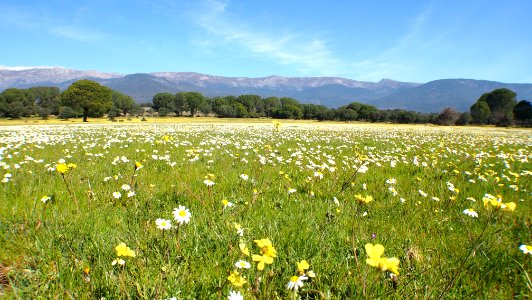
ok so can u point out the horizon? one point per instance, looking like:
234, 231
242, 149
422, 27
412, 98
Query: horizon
411, 41
23, 68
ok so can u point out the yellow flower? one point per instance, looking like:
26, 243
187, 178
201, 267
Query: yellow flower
72, 166
266, 247
138, 165
123, 250
236, 279
243, 248
374, 253
510, 206
302, 266
62, 168
363, 200
267, 252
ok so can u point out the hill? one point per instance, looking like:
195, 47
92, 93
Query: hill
329, 91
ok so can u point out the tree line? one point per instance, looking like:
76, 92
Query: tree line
86, 98
83, 98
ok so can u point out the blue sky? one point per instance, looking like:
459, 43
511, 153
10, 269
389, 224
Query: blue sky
416, 41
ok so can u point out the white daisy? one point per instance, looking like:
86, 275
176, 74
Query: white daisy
470, 212
235, 296
163, 224
182, 214
242, 264
296, 282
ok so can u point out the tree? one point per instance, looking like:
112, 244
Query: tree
180, 103
16, 103
195, 102
464, 119
163, 100
88, 96
480, 113
523, 112
501, 103
448, 116
47, 99
343, 114
123, 103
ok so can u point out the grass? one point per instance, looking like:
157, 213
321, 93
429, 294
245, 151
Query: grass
64, 248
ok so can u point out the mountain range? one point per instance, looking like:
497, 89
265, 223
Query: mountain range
329, 91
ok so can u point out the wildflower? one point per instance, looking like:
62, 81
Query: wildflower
235, 296
239, 229
208, 182
510, 206
422, 193
117, 195
374, 253
243, 248
126, 187
242, 264
44, 199
163, 224
526, 249
291, 191
318, 174
138, 165
236, 279
362, 169
296, 282
244, 177
123, 250
470, 212
363, 200
267, 252
227, 203
302, 266
118, 261
182, 214
391, 181
61, 168
131, 194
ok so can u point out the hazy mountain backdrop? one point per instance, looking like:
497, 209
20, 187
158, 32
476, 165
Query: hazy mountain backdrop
329, 91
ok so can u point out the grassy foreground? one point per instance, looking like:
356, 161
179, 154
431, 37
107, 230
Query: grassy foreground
208, 210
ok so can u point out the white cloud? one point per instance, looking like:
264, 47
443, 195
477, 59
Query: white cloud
307, 54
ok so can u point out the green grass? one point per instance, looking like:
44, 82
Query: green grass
443, 253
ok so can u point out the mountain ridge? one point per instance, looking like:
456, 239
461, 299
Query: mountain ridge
432, 96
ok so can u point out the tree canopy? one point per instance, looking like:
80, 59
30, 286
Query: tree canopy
93, 99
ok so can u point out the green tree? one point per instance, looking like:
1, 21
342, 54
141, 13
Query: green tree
47, 99
163, 100
501, 103
523, 112
93, 99
123, 103
480, 113
464, 119
195, 102
180, 103
16, 103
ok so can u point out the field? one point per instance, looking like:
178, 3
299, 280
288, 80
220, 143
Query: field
214, 210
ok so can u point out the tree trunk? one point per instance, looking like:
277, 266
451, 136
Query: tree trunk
85, 113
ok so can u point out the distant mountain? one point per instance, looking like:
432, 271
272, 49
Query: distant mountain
328, 91
458, 93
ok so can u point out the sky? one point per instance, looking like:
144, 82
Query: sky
412, 41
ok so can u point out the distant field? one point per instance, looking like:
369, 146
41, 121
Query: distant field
276, 212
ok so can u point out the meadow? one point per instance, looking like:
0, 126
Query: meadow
293, 210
